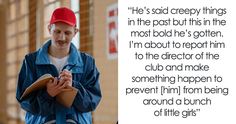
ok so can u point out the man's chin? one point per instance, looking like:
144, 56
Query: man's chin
63, 46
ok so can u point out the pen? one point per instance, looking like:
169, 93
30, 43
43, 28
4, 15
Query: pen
72, 67
68, 70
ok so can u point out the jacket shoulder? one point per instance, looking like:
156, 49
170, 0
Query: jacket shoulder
86, 57
31, 55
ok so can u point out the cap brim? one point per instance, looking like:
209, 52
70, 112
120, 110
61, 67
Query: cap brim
69, 23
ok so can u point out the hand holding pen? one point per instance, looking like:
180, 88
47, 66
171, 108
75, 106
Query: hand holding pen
54, 87
66, 76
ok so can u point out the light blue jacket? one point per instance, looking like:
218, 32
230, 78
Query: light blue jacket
41, 107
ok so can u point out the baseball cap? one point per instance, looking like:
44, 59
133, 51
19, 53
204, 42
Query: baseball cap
63, 14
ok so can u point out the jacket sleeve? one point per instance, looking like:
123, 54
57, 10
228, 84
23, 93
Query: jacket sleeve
38, 102
89, 93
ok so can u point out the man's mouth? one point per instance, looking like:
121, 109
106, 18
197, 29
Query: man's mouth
61, 42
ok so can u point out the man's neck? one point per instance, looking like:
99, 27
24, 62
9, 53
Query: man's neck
58, 53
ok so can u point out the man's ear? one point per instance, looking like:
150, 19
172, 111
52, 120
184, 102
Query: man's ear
49, 28
76, 30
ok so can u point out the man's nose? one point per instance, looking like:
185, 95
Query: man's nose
62, 36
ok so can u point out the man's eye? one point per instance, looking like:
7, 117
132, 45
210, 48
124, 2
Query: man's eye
57, 32
67, 33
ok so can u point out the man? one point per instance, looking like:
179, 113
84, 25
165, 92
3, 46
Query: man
56, 56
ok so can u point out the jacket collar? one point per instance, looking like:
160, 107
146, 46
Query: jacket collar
74, 57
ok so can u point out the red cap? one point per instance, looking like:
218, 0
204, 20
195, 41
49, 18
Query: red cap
65, 15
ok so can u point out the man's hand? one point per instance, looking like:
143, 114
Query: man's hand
66, 77
55, 87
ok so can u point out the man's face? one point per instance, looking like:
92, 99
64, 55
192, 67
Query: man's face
61, 35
